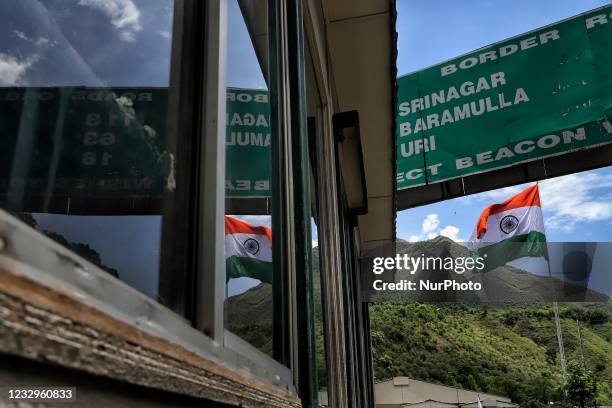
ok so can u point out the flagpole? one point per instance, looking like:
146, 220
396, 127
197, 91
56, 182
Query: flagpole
581, 345
560, 341
555, 306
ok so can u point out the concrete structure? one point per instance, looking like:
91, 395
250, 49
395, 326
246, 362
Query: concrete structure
402, 392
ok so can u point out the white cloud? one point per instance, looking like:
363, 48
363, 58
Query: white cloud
430, 229
21, 35
576, 198
123, 14
13, 69
452, 232
165, 34
39, 42
501, 194
430, 223
127, 36
566, 200
490, 197
256, 220
315, 243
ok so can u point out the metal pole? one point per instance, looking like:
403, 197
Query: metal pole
556, 311
580, 339
560, 341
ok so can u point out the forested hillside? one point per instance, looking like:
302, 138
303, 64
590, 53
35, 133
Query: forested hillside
505, 351
508, 351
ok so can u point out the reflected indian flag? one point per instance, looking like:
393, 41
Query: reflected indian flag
248, 250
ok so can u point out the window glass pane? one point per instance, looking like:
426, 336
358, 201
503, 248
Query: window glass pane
83, 100
319, 323
248, 239
313, 105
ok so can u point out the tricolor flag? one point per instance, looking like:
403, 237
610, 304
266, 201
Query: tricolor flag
511, 230
248, 250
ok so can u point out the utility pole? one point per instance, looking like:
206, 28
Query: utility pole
560, 341
580, 339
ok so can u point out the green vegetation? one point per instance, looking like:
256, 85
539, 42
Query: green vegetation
509, 351
581, 387
249, 315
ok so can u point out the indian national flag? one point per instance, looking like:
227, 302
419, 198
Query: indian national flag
248, 250
511, 230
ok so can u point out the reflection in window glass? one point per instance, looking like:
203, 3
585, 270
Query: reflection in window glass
319, 324
83, 99
313, 105
248, 239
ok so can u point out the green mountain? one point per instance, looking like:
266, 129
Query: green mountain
505, 284
505, 351
509, 350
249, 315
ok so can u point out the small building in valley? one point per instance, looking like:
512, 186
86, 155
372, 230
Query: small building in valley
403, 392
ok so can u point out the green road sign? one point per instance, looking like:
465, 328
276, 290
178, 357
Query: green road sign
105, 148
543, 93
81, 142
247, 144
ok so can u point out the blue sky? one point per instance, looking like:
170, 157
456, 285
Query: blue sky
432, 31
85, 42
243, 70
109, 43
577, 207
127, 43
93, 43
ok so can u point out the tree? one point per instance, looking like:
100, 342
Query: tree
581, 386
472, 384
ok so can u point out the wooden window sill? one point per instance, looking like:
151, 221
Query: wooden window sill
48, 323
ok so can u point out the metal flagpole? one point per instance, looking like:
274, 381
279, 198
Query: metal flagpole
555, 307
560, 340
581, 346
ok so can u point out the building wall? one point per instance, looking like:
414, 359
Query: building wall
402, 390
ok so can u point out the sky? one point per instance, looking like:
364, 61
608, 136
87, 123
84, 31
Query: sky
243, 70
93, 43
433, 31
85, 42
576, 207
110, 43
127, 43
